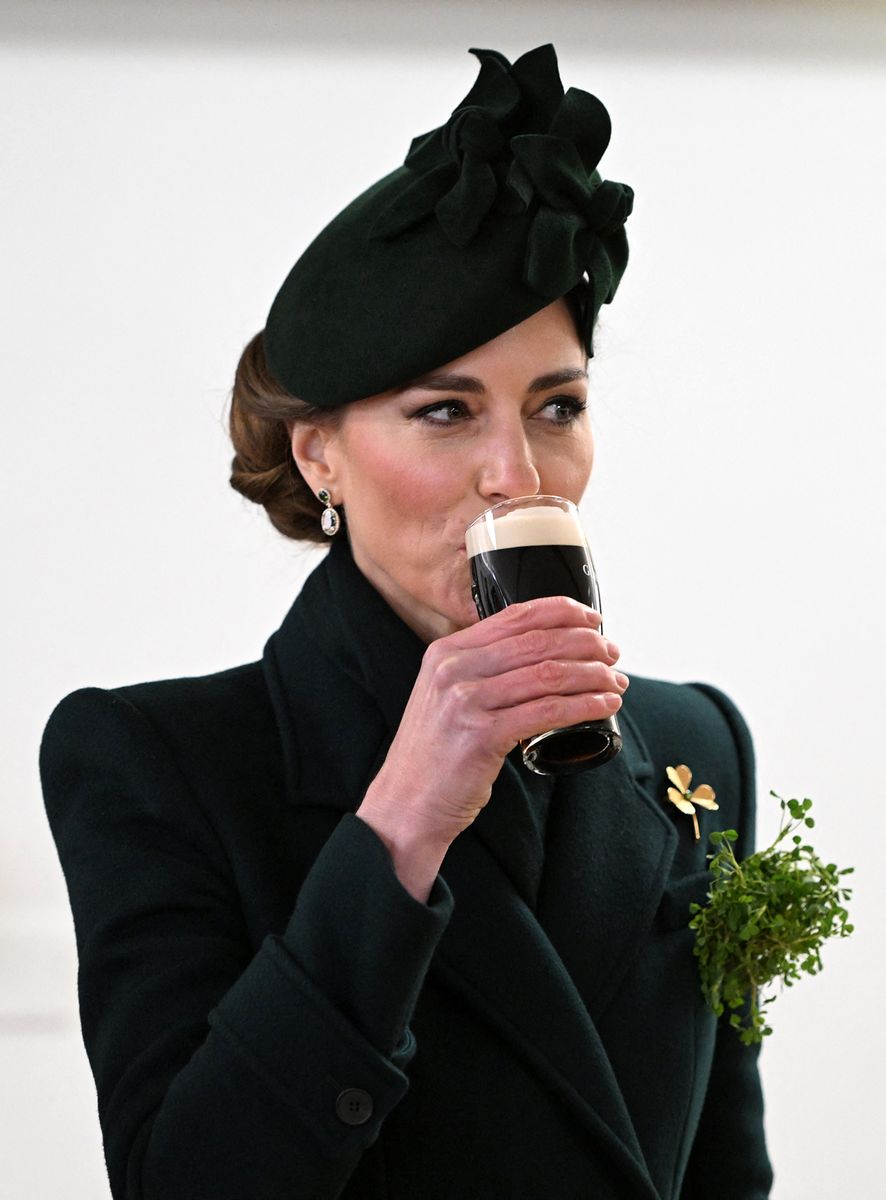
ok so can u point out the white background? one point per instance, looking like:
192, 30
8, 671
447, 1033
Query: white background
163, 166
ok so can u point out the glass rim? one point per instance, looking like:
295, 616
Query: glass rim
526, 500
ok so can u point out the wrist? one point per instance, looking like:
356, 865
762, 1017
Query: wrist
415, 854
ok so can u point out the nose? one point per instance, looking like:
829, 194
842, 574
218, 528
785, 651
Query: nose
507, 467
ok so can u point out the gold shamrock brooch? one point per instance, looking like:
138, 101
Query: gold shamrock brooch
685, 800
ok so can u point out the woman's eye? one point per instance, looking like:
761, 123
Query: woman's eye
561, 410
444, 412
564, 410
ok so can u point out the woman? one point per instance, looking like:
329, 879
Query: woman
334, 939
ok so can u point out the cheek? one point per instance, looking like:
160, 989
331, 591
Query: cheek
567, 472
394, 489
586, 457
404, 483
588, 464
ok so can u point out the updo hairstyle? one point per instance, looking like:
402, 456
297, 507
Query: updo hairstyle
263, 469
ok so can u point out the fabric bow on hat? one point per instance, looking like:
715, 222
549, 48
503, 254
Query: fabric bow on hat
515, 144
493, 216
459, 166
575, 205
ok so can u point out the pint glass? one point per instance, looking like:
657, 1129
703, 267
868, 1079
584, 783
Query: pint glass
523, 549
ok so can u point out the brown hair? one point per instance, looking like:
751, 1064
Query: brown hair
263, 469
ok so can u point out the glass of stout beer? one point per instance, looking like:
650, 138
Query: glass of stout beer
523, 549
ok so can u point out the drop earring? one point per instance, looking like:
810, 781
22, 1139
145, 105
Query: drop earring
329, 521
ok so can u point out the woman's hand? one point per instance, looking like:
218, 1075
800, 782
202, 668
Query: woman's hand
534, 666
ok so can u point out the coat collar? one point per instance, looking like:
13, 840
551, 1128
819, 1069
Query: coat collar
340, 670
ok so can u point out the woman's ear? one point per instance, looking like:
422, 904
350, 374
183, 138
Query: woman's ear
310, 450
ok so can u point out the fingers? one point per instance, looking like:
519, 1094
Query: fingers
540, 645
542, 664
552, 712
546, 613
549, 678
534, 666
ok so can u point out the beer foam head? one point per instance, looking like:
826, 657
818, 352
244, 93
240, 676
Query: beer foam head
540, 525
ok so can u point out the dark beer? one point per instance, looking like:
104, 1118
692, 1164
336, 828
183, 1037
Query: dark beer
525, 555
503, 577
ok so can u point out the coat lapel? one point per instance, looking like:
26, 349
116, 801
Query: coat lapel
609, 852
607, 859
498, 959
541, 978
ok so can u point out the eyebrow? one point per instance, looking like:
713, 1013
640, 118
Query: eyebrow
469, 383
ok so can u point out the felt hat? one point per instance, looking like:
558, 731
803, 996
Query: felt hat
491, 217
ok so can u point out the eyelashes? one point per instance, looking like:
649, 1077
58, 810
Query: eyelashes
454, 412
433, 414
573, 406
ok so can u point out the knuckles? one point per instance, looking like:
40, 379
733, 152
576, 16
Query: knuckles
551, 672
537, 643
445, 666
551, 709
460, 694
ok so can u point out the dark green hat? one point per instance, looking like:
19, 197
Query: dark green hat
492, 217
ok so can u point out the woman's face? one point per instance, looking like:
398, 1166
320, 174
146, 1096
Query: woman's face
413, 466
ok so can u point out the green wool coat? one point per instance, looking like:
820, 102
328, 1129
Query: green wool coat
268, 1013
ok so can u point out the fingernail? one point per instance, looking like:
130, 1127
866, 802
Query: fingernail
612, 650
613, 698
621, 680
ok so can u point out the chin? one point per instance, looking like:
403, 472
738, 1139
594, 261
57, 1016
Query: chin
459, 613
467, 615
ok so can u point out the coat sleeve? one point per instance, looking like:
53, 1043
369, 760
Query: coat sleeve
729, 1158
221, 1072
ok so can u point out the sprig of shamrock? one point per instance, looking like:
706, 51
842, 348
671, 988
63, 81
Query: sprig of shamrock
766, 919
